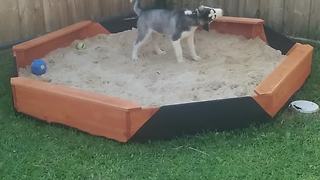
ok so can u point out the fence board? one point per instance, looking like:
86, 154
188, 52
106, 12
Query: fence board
10, 22
231, 7
214, 3
93, 9
111, 8
249, 8
76, 10
187, 4
173, 3
314, 30
296, 17
55, 14
272, 12
31, 18
106, 9
122, 7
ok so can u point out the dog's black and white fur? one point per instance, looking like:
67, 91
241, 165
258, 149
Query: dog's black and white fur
175, 24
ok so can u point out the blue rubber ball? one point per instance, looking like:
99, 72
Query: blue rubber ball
38, 67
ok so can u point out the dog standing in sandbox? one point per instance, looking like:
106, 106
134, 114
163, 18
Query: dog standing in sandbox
175, 24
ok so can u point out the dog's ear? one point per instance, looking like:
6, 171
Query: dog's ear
206, 27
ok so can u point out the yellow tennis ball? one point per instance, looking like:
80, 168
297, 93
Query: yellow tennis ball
81, 45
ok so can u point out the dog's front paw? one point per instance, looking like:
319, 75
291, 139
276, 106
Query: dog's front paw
196, 58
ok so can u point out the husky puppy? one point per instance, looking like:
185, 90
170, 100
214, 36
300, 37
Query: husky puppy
175, 24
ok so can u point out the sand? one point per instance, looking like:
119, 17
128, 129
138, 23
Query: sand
231, 66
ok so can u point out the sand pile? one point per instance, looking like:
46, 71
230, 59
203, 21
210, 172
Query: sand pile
231, 66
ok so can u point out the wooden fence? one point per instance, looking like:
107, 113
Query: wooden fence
24, 19
292, 17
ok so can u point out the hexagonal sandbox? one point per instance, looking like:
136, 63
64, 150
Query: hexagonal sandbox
121, 120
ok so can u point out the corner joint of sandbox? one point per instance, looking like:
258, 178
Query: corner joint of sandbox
273, 92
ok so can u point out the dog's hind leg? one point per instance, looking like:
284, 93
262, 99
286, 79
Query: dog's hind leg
142, 38
155, 43
192, 48
178, 50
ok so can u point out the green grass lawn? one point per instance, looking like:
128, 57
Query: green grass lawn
288, 148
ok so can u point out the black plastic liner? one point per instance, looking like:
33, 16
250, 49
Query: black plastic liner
188, 119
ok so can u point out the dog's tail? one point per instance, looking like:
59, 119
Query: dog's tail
136, 6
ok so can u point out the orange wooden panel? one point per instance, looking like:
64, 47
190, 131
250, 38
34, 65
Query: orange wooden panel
239, 20
93, 113
39, 47
140, 117
247, 27
285, 80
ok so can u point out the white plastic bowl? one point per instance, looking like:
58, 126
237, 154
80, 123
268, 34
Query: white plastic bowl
305, 106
